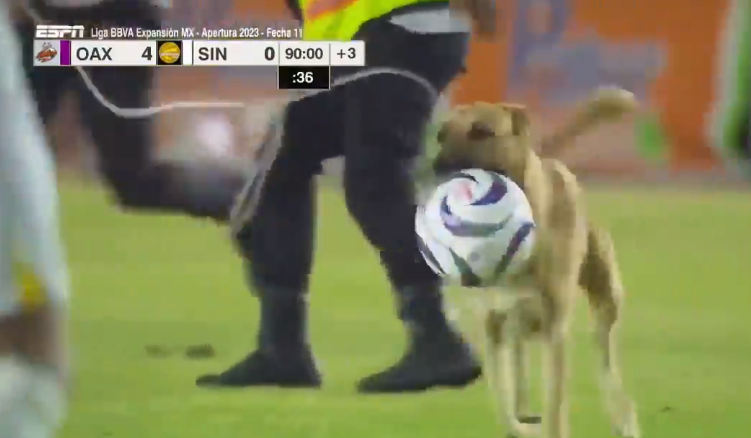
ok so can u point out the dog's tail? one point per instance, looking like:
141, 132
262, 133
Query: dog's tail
606, 105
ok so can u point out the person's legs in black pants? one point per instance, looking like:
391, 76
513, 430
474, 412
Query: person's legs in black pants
378, 123
380, 196
394, 112
125, 146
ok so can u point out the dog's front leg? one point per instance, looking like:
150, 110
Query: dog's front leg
555, 418
518, 367
501, 375
556, 310
516, 390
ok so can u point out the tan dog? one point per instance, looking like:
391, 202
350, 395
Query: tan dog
570, 255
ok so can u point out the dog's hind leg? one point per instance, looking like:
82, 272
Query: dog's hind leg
600, 278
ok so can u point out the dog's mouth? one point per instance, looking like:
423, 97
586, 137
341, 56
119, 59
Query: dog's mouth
443, 166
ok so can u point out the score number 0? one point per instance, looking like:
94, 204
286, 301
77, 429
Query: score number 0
269, 53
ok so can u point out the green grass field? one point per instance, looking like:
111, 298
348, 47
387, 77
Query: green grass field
141, 280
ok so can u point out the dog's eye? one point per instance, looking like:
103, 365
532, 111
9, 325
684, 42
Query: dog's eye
480, 131
441, 137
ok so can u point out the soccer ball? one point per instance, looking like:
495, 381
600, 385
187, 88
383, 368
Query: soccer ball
476, 228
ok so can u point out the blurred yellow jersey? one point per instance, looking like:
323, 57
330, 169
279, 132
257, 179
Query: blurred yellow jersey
32, 263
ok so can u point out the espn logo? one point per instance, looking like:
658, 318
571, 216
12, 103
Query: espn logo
59, 31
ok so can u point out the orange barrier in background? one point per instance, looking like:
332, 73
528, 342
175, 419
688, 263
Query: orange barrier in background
550, 54
555, 51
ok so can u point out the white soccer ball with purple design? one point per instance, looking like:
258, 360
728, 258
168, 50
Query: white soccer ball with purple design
476, 228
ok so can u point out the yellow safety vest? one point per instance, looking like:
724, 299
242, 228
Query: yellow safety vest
339, 20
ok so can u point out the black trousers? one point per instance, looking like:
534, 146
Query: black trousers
378, 125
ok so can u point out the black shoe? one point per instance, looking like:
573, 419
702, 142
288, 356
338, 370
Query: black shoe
427, 364
437, 355
295, 370
284, 356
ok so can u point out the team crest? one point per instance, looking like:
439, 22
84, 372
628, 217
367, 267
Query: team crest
48, 53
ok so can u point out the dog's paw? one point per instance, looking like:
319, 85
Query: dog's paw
626, 421
530, 419
521, 430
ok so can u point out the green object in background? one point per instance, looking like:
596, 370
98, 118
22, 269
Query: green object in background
651, 139
733, 88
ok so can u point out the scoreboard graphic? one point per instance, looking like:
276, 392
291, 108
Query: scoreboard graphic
300, 64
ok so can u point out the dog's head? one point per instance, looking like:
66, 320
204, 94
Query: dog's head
493, 137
